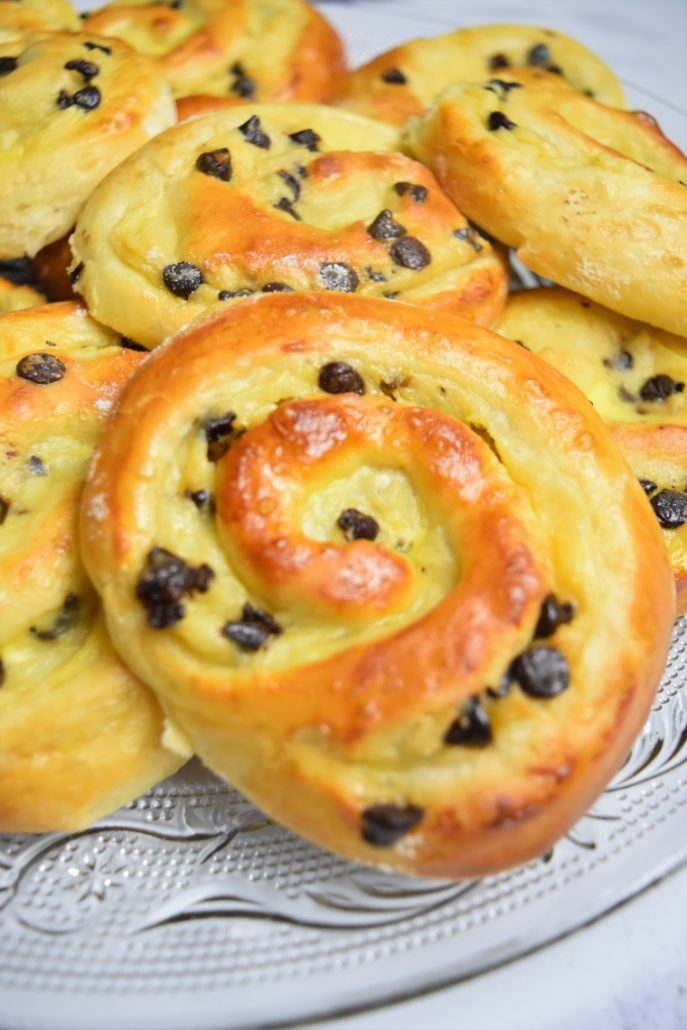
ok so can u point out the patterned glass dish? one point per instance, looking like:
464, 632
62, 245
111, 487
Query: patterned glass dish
190, 908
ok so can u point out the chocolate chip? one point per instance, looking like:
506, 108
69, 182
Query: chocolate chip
87, 98
648, 486
215, 163
233, 294
219, 433
391, 296
541, 672
498, 120
63, 622
182, 278
335, 275
75, 275
201, 498
291, 182
471, 236
277, 288
498, 61
394, 76
4, 508
502, 88
87, 69
621, 362
284, 204
385, 227
242, 85
358, 526
132, 345
8, 65
383, 825
41, 369
306, 138
253, 133
554, 613
539, 55
659, 388
418, 193
373, 276
555, 69
165, 580
64, 100
98, 46
472, 727
36, 466
339, 377
410, 253
670, 508
253, 629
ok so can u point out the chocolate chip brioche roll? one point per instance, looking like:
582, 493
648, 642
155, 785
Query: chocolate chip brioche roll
79, 734
275, 198
387, 570
405, 81
72, 106
635, 377
262, 50
591, 197
18, 18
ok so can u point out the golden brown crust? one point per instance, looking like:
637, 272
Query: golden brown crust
284, 413
281, 50
275, 197
634, 375
403, 82
592, 198
21, 19
80, 735
64, 128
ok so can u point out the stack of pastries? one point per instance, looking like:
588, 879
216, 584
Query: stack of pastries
390, 549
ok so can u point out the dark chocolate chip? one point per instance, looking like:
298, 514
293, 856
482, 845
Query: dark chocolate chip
373, 276
75, 275
648, 486
291, 182
418, 193
219, 433
7, 65
277, 287
383, 825
87, 98
87, 69
306, 138
394, 76
98, 46
63, 622
554, 613
471, 236
233, 294
621, 362
339, 377
253, 629
539, 55
555, 69
41, 369
391, 296
358, 526
385, 227
670, 508
659, 388
502, 88
472, 727
64, 100
242, 85
498, 120
4, 508
498, 61
215, 163
284, 204
335, 275
163, 583
36, 466
252, 132
541, 672
202, 499
132, 345
182, 278
410, 253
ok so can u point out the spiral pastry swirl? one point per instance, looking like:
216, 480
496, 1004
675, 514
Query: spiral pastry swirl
79, 735
275, 198
361, 552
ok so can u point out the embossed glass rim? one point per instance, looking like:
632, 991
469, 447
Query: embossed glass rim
453, 932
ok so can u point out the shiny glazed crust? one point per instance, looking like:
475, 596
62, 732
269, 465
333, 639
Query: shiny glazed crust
247, 208
18, 19
428, 66
591, 197
262, 50
63, 129
615, 362
79, 735
493, 484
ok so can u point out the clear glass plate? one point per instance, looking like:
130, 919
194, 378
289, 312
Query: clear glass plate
190, 908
